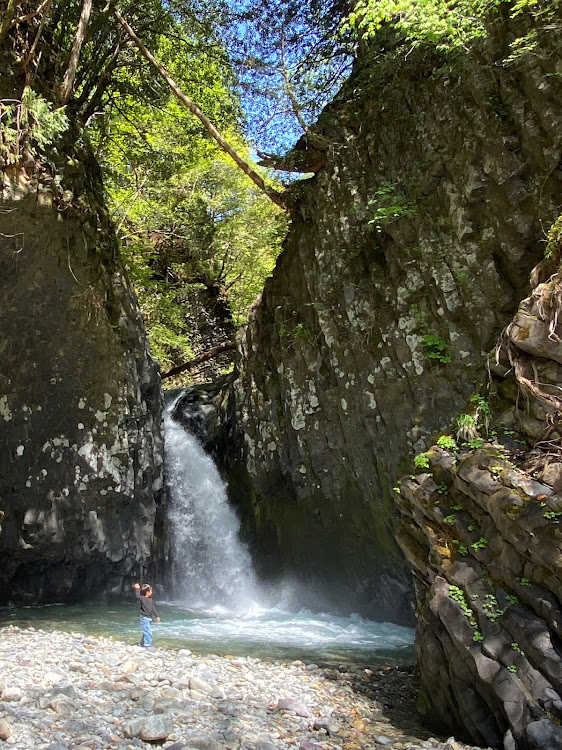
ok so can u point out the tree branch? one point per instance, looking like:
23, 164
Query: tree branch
88, 105
275, 196
29, 57
199, 359
9, 13
68, 82
29, 16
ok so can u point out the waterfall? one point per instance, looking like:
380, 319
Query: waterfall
211, 567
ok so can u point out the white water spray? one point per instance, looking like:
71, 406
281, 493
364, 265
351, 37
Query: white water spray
212, 569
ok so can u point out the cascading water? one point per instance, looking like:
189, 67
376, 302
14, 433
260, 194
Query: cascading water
218, 606
211, 567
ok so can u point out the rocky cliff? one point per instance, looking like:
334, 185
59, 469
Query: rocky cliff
80, 399
408, 253
481, 529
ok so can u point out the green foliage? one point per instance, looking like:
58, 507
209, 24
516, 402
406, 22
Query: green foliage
545, 14
469, 425
451, 520
554, 241
294, 333
481, 404
388, 205
441, 23
448, 443
476, 442
462, 549
445, 25
482, 543
436, 348
29, 125
512, 599
190, 222
421, 461
458, 595
493, 611
523, 581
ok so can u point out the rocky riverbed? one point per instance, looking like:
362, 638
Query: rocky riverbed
61, 691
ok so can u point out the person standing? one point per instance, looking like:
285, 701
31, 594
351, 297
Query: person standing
147, 612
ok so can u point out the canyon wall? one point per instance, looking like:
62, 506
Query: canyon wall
80, 398
481, 529
408, 253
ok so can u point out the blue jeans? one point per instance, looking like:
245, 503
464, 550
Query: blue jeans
146, 640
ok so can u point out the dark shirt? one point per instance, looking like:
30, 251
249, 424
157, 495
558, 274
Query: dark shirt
147, 605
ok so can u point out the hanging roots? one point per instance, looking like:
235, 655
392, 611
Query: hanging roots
546, 304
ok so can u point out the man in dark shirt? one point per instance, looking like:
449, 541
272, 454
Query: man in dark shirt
147, 612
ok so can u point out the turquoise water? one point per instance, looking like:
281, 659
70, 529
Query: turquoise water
270, 634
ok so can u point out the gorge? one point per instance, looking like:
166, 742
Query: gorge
401, 301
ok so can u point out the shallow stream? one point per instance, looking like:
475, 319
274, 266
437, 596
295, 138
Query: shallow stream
269, 634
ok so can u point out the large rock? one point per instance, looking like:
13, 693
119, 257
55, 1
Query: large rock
482, 532
150, 728
80, 397
408, 253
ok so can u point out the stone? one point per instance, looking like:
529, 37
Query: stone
543, 733
6, 729
290, 704
150, 728
68, 690
200, 686
11, 694
326, 723
62, 705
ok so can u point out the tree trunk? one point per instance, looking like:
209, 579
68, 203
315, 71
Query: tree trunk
279, 199
68, 82
205, 357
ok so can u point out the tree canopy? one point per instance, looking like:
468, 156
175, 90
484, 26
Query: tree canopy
256, 73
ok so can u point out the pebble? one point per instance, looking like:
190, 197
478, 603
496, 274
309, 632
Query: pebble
73, 692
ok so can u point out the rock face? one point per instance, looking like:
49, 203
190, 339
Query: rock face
80, 401
408, 253
482, 532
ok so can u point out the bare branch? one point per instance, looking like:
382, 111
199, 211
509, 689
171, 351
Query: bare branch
29, 16
9, 13
90, 105
46, 8
199, 359
275, 196
68, 82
